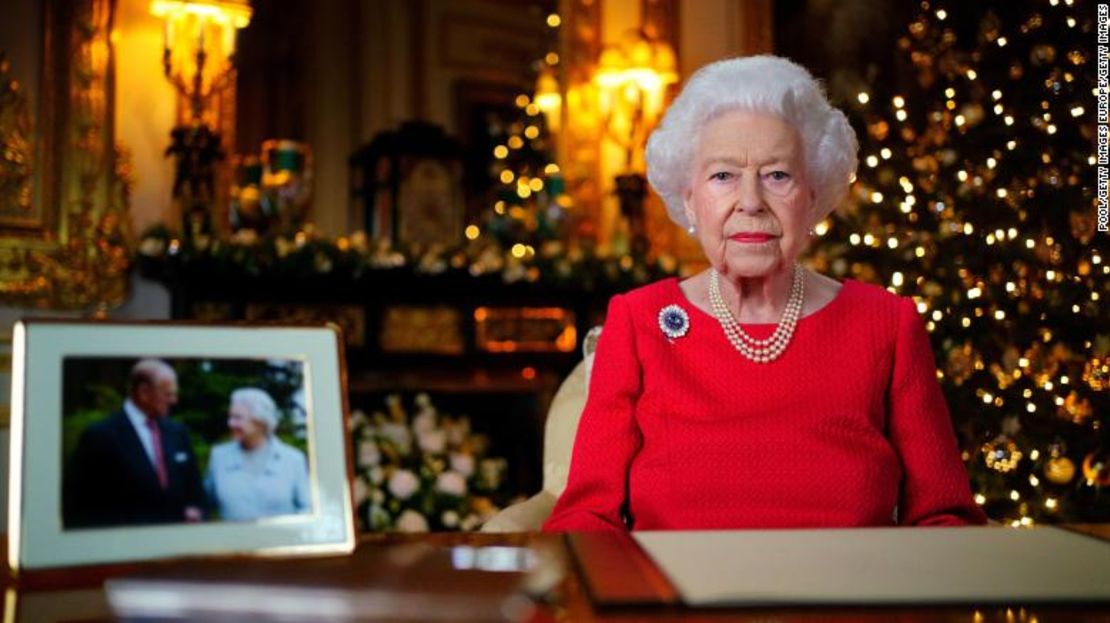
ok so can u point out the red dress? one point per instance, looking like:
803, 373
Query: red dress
848, 427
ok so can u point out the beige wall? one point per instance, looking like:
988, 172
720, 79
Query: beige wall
364, 69
363, 72
708, 30
145, 110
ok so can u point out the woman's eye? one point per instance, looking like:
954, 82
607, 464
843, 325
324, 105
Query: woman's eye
779, 176
721, 176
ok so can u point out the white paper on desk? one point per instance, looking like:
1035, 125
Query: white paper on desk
882, 566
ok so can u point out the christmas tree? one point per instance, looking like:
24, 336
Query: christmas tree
529, 204
976, 198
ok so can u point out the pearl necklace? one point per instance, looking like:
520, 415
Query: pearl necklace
765, 350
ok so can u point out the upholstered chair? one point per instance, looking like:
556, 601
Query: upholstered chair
558, 442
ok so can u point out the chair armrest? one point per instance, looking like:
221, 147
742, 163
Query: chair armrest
526, 516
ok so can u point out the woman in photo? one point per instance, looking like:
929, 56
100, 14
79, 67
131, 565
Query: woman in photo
256, 474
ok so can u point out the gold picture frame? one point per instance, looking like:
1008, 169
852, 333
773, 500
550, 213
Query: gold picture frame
64, 184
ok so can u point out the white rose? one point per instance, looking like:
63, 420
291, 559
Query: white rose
399, 434
450, 519
451, 483
368, 454
403, 483
377, 474
360, 491
433, 441
411, 521
462, 463
425, 421
358, 418
458, 431
377, 518
471, 522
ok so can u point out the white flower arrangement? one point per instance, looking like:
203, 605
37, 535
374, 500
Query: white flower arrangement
424, 472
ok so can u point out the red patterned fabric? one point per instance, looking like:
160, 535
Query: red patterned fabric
848, 427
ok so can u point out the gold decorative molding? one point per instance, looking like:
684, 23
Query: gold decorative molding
16, 146
70, 249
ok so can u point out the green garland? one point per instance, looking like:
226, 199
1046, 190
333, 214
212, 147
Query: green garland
308, 254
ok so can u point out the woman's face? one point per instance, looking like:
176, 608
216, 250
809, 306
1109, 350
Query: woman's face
244, 428
748, 196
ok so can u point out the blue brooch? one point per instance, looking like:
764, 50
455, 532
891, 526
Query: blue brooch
673, 321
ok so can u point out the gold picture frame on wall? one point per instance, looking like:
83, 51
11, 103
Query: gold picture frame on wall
64, 185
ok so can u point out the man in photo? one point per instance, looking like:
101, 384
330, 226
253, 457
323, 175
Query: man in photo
136, 466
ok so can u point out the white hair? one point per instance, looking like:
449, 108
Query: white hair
260, 406
762, 84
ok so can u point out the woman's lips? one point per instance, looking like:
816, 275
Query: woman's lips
751, 237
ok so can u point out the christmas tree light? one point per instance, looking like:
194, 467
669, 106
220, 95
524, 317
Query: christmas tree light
976, 199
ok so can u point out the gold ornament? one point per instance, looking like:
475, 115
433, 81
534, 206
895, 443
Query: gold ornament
878, 130
1059, 470
961, 363
1083, 225
973, 114
1075, 408
1096, 468
1001, 454
1096, 373
1042, 55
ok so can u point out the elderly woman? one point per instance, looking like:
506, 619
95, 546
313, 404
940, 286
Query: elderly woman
758, 393
256, 474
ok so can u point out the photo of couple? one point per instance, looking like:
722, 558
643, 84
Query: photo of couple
158, 441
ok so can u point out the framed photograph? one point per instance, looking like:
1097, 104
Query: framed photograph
158, 440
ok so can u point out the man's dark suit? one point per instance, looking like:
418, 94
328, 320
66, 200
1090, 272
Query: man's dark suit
110, 480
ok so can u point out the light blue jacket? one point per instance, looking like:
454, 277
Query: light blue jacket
281, 488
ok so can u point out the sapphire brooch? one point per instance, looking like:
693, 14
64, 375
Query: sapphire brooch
673, 321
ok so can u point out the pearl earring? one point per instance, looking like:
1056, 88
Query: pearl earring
691, 229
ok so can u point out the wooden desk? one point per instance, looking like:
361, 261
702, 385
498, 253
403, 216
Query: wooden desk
77, 595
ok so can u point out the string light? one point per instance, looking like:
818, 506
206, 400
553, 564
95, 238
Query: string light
956, 153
